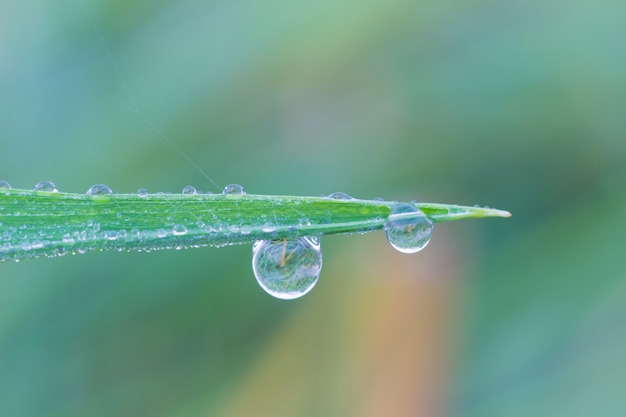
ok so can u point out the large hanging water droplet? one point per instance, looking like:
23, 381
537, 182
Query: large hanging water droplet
47, 186
234, 189
287, 268
408, 230
4, 184
99, 189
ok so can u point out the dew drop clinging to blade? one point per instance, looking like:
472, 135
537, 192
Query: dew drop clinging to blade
407, 229
287, 268
340, 196
190, 190
47, 186
235, 189
99, 189
179, 230
4, 184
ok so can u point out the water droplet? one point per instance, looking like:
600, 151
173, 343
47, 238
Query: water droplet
268, 227
99, 189
161, 233
287, 268
47, 186
408, 230
142, 192
4, 184
304, 222
190, 190
179, 230
234, 189
340, 196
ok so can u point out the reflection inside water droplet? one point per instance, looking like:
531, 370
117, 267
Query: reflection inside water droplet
142, 192
4, 184
99, 189
287, 268
234, 189
47, 186
408, 230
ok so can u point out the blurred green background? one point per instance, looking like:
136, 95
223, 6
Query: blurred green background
519, 105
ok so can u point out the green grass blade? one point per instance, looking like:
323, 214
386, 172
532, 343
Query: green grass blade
35, 223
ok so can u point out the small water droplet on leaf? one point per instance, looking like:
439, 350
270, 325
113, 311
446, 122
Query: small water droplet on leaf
268, 227
99, 189
235, 189
340, 196
47, 186
4, 184
179, 230
190, 190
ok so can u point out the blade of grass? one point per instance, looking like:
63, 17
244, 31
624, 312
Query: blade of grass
36, 223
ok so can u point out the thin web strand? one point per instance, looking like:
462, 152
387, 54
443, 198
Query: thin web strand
137, 110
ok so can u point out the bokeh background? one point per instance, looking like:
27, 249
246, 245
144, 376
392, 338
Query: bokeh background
519, 105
